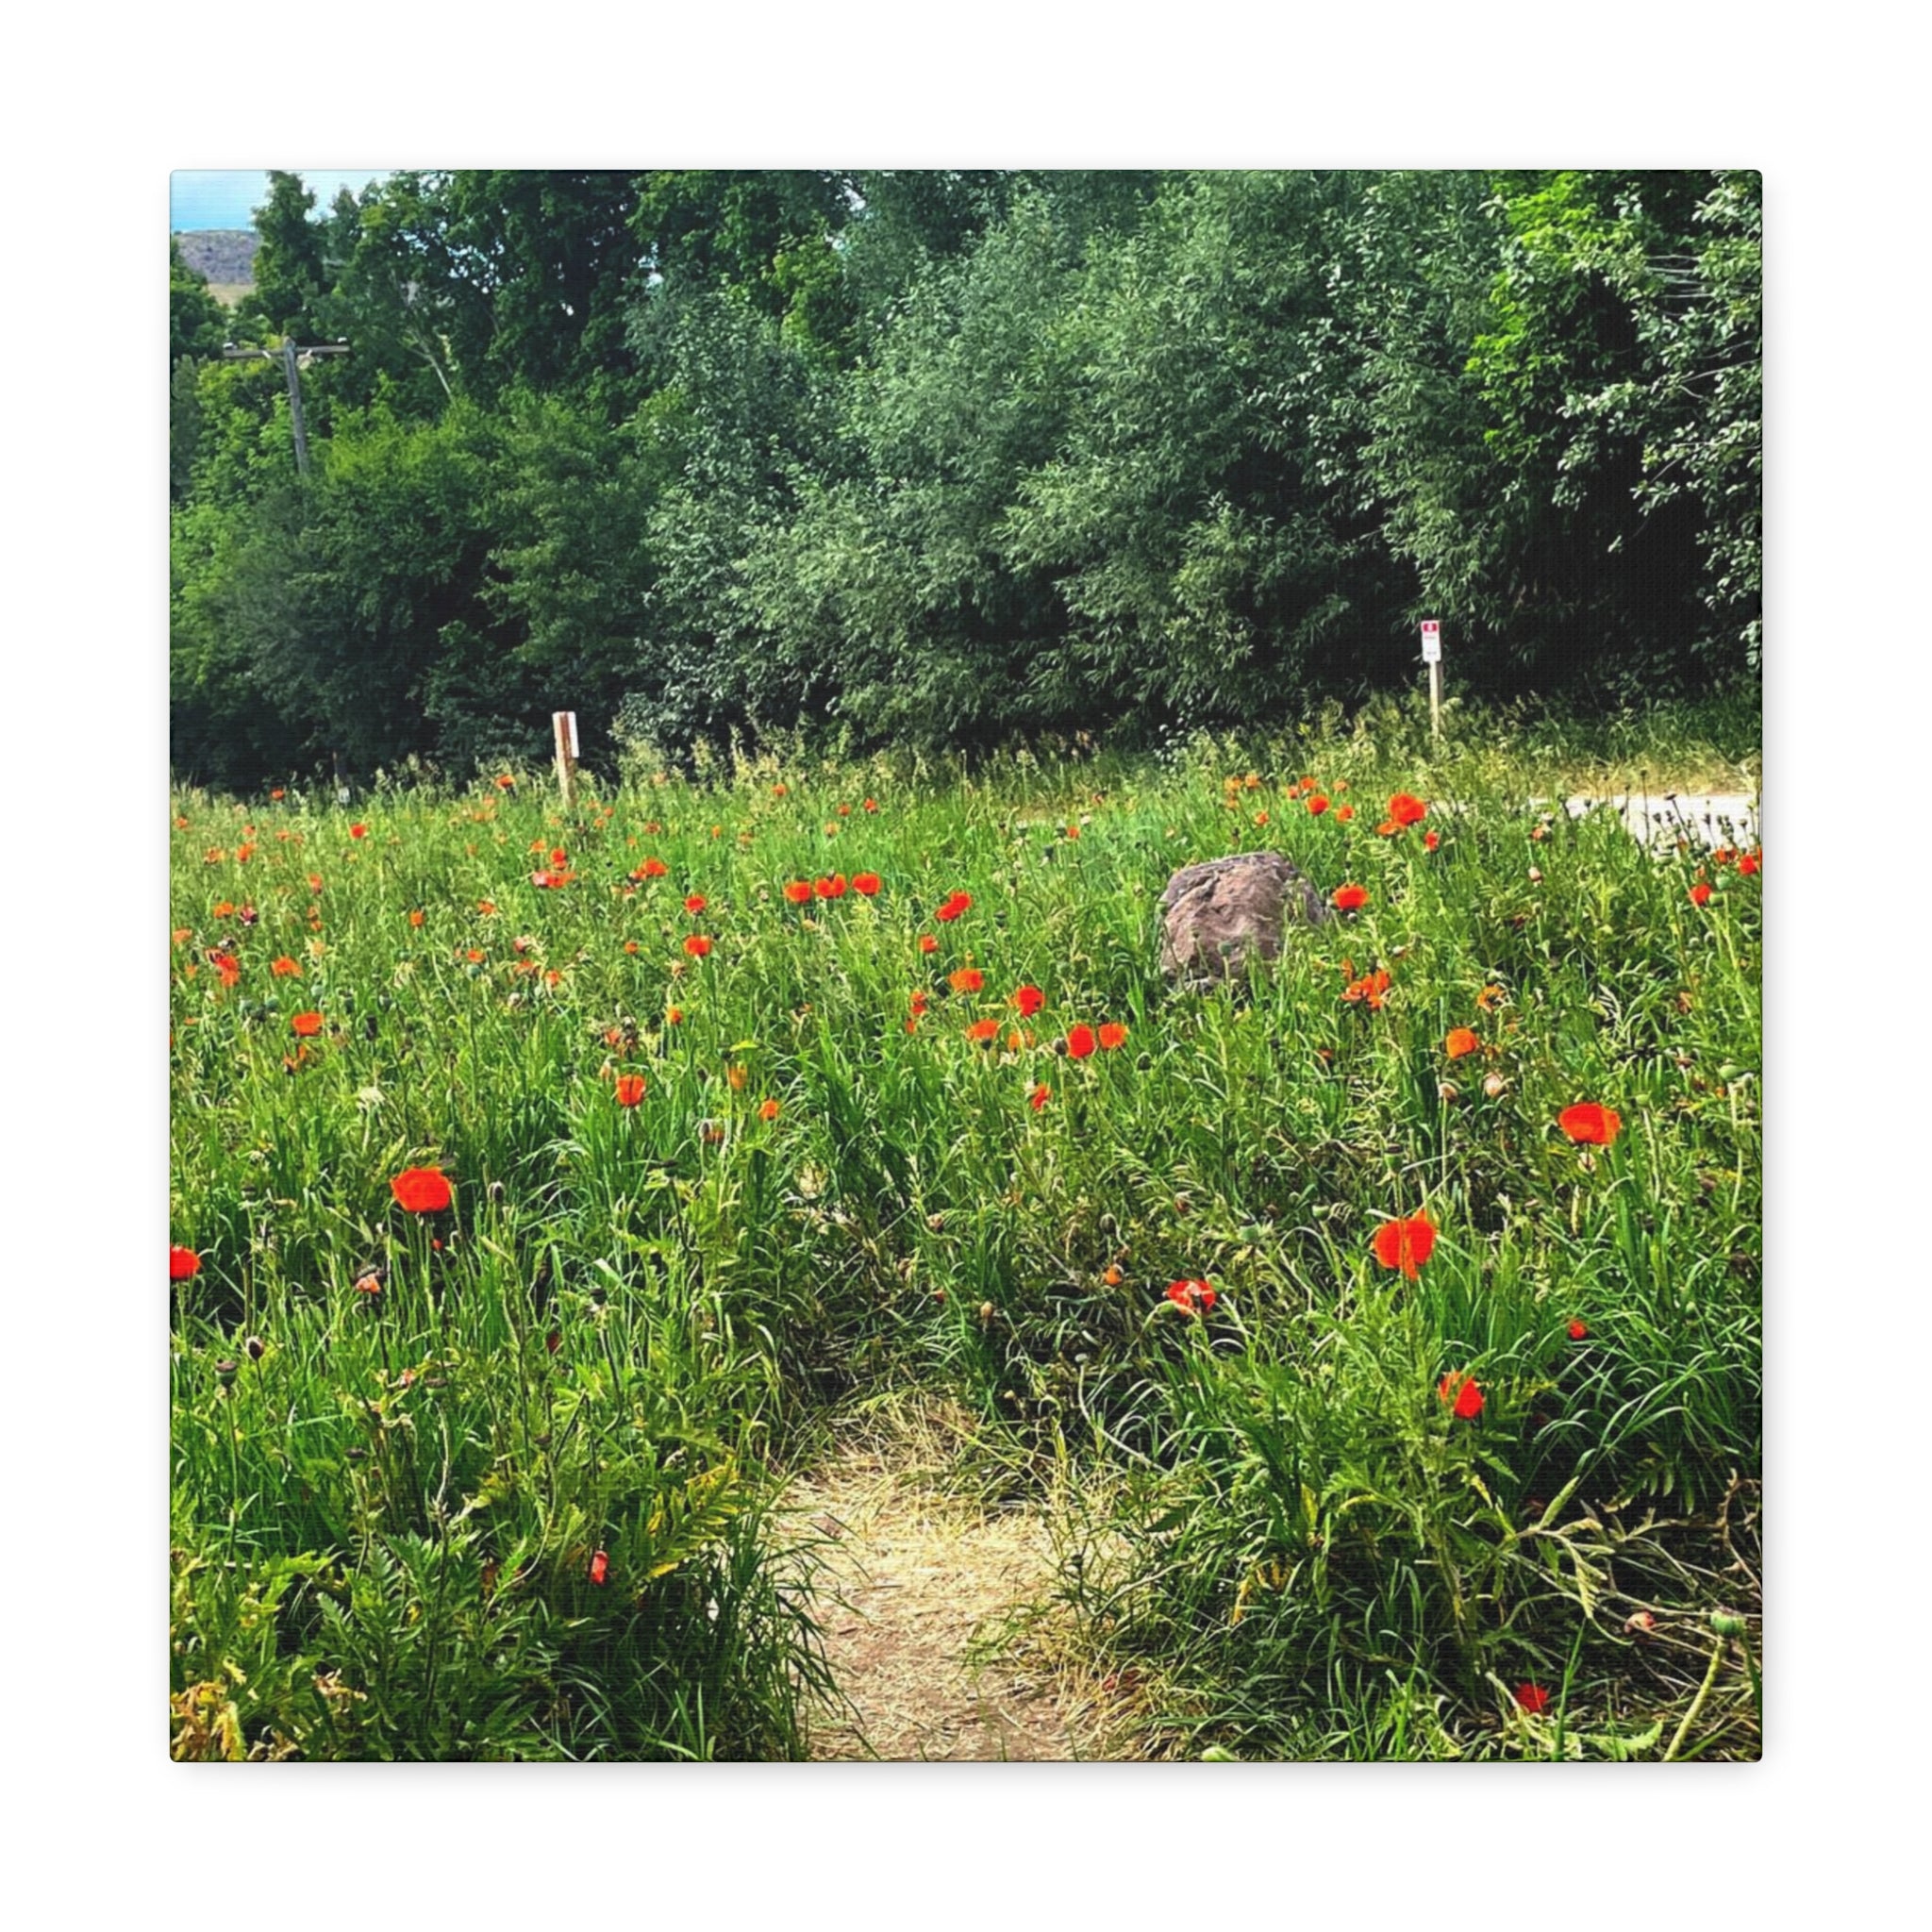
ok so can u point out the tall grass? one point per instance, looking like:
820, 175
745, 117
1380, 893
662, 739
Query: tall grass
391, 1503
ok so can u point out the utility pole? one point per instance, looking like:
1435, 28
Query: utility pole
292, 356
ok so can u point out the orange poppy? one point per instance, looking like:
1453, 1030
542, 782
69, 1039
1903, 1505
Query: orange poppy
695, 903
630, 1089
799, 891
1349, 898
865, 883
697, 945
968, 979
768, 1109
1407, 809
306, 1025
1405, 1245
1113, 1035
833, 888
285, 968
1318, 805
927, 944
1590, 1125
983, 1030
1344, 812
1038, 1097
1461, 1040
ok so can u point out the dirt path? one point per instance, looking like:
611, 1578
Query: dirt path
915, 1596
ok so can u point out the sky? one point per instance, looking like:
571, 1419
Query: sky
227, 197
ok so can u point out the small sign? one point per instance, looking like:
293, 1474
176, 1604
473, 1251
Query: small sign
1432, 640
572, 717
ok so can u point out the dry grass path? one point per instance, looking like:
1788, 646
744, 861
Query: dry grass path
920, 1581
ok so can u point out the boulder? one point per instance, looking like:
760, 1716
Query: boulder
1217, 916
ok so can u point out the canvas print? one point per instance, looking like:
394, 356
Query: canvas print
965, 965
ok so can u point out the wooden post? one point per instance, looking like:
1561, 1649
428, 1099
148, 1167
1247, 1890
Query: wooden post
563, 725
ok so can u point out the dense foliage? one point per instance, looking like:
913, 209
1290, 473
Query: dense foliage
953, 458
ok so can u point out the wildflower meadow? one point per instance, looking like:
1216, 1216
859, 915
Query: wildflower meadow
1381, 1330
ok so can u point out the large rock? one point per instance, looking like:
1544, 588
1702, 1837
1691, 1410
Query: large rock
1217, 916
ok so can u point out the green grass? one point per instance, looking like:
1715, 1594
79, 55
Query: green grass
386, 1505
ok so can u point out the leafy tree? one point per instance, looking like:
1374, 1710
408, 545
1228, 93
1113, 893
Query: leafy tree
197, 324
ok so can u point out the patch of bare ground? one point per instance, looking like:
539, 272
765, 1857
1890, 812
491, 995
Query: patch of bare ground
928, 1595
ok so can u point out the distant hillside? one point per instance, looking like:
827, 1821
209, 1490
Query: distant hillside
225, 256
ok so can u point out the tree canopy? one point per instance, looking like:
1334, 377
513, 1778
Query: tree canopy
948, 457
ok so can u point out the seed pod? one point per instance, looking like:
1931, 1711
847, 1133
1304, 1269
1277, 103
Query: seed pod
1494, 1086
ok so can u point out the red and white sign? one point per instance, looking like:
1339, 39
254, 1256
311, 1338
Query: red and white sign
1432, 640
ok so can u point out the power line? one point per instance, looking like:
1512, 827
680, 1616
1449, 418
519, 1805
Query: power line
292, 356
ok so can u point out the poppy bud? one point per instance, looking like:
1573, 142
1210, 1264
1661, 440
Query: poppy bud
1640, 1625
1536, 876
1727, 1622
257, 1348
225, 1370
985, 1313
1447, 1090
1494, 1086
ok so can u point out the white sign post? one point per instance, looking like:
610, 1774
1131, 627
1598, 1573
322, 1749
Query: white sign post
1432, 657
563, 727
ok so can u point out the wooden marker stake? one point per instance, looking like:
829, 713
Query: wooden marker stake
563, 726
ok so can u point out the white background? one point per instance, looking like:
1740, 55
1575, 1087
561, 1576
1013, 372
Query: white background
102, 1820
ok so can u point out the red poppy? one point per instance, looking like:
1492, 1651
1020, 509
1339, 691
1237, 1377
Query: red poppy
1749, 864
865, 884
1464, 1393
1197, 1297
833, 888
1533, 1698
1344, 812
1405, 1245
505, 782
927, 944
651, 869
871, 804
1080, 1043
227, 966
278, 795
695, 903
421, 1190
1430, 840
630, 1089
1319, 804
1461, 1040
968, 979
983, 1030
920, 1002
1700, 893
359, 831
1350, 898
306, 1026
1387, 829
799, 891
1038, 1097
1579, 1331
1590, 1125
600, 1566
956, 904
1113, 1035
415, 919
697, 945
1029, 999
1406, 810
183, 1263
674, 1016
768, 1109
